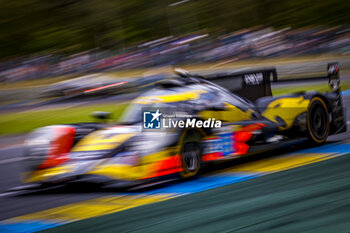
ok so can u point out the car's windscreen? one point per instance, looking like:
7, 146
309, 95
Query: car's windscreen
132, 114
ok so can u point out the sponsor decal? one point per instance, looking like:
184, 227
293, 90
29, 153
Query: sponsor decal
332, 68
223, 143
253, 79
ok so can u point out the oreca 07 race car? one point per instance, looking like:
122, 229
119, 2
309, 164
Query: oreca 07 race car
238, 117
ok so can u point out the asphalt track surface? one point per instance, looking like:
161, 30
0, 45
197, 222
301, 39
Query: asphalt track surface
313, 198
309, 192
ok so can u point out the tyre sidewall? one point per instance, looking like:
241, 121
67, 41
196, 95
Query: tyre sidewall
186, 173
314, 101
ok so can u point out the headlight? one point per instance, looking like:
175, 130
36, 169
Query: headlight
38, 142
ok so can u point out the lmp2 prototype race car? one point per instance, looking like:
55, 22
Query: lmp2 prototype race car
181, 124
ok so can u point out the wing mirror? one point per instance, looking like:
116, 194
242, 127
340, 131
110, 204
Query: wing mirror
181, 72
101, 116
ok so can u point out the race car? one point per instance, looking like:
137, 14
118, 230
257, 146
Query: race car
182, 124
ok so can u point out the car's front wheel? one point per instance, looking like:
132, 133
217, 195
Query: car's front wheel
190, 156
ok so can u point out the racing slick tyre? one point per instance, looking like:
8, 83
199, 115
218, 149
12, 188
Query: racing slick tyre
318, 125
190, 156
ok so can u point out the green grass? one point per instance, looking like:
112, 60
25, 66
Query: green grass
22, 122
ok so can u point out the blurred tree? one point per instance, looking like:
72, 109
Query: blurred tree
69, 26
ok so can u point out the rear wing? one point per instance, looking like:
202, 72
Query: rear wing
250, 83
256, 83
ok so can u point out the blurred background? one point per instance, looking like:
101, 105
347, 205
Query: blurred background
43, 39
62, 60
73, 48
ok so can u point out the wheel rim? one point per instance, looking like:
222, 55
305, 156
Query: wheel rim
319, 121
190, 157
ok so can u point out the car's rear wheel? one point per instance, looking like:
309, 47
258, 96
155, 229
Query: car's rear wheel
190, 156
318, 121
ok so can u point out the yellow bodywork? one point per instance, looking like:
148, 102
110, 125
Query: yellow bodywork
184, 96
45, 174
286, 108
147, 166
100, 141
230, 114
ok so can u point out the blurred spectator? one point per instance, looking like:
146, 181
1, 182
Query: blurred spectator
255, 42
